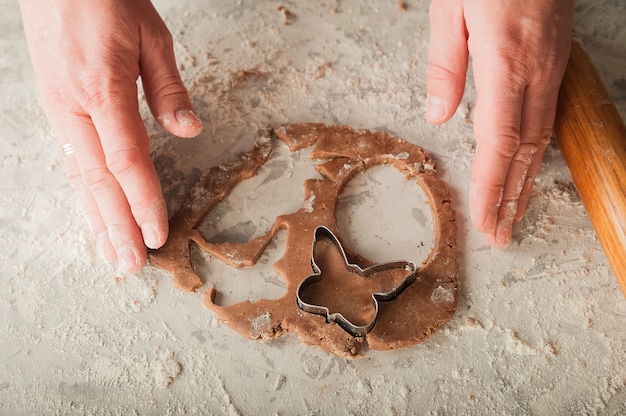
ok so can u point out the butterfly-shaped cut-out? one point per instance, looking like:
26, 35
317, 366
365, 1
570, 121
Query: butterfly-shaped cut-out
346, 294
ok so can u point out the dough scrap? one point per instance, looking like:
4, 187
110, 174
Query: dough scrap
425, 306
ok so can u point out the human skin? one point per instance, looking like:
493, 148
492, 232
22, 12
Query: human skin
87, 57
519, 51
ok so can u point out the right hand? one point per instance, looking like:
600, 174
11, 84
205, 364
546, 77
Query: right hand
87, 57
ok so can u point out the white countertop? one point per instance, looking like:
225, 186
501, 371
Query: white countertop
540, 327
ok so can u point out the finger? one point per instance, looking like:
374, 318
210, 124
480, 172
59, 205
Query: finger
497, 128
529, 184
88, 204
166, 95
447, 60
537, 124
537, 117
126, 156
111, 206
516, 179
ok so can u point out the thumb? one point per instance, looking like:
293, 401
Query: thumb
447, 60
166, 95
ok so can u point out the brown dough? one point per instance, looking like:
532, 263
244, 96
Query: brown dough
422, 308
340, 290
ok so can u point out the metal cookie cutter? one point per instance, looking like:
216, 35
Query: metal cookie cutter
337, 318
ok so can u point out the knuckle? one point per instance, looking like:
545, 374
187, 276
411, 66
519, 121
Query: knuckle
123, 162
73, 174
528, 63
516, 69
506, 144
92, 90
492, 194
552, 64
538, 141
505, 150
144, 204
487, 191
105, 89
95, 97
508, 207
57, 103
159, 37
94, 218
96, 179
169, 85
550, 68
510, 65
99, 94
544, 137
526, 152
436, 71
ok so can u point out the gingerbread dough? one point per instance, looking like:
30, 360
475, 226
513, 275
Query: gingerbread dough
422, 308
342, 291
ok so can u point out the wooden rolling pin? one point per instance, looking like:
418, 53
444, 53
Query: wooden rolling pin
592, 138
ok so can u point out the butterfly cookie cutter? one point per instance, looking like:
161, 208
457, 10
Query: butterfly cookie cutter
336, 317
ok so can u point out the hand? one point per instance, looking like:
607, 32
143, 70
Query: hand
88, 56
519, 52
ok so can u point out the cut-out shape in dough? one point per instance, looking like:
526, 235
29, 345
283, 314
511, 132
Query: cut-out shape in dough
346, 294
411, 318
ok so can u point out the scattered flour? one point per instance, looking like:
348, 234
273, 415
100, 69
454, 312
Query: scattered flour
77, 337
166, 369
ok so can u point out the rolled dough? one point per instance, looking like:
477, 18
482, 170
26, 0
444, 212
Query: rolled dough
422, 308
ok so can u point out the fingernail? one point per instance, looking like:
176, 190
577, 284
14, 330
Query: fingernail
186, 117
505, 226
127, 259
489, 222
485, 218
503, 233
435, 109
151, 237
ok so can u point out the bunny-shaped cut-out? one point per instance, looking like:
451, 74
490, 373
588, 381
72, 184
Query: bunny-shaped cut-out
346, 294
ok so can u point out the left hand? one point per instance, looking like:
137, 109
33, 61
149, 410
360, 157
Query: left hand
519, 51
